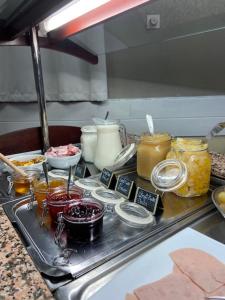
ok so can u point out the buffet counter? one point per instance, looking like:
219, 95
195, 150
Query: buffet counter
19, 277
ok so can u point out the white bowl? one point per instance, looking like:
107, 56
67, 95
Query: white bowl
27, 157
63, 162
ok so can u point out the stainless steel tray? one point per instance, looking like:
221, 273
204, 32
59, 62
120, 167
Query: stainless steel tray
117, 237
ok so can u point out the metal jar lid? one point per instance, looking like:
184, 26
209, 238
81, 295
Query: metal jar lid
169, 175
134, 214
107, 196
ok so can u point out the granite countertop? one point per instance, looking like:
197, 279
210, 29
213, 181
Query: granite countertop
19, 279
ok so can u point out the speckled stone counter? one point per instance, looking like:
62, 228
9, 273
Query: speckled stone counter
19, 279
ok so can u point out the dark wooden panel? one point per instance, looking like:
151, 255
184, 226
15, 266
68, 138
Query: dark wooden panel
29, 139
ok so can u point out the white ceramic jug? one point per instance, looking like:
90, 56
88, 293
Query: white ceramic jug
109, 143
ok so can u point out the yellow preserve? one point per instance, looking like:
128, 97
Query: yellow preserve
151, 150
41, 189
194, 153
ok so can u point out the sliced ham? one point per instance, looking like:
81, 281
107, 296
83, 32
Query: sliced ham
203, 269
131, 297
171, 287
67, 150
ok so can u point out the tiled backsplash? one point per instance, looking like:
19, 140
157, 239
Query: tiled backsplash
177, 115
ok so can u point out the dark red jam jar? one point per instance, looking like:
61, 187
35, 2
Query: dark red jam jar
82, 220
57, 201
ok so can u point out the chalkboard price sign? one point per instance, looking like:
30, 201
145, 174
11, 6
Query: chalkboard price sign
124, 186
80, 170
149, 200
106, 177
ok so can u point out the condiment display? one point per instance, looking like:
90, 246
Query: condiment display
41, 189
56, 201
82, 220
151, 150
23, 184
109, 143
88, 142
186, 171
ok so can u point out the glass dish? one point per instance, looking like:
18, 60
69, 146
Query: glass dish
218, 198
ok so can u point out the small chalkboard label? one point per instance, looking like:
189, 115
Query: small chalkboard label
148, 199
106, 177
80, 170
124, 186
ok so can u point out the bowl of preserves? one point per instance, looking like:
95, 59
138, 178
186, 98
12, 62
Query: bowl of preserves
63, 157
82, 220
27, 161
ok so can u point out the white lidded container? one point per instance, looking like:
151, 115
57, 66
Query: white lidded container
88, 142
109, 143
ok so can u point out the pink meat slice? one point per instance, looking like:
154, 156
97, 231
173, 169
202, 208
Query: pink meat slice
171, 287
131, 297
203, 269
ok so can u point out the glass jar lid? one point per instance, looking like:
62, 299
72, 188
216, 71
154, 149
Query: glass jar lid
124, 156
169, 175
134, 214
57, 173
88, 184
107, 196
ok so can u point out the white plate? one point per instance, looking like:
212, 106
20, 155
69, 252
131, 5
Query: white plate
156, 263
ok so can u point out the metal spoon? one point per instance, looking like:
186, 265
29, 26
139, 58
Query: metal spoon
69, 179
45, 170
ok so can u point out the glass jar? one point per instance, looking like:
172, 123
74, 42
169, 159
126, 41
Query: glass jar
187, 169
41, 190
56, 201
22, 185
151, 150
88, 142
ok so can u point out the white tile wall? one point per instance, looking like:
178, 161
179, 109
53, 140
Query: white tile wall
179, 116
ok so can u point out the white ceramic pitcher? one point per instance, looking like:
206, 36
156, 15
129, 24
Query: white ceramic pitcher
109, 142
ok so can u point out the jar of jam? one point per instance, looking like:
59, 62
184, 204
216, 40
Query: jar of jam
22, 185
151, 150
41, 189
186, 171
57, 200
82, 220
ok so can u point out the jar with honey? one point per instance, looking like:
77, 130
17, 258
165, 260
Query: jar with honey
151, 150
22, 185
186, 171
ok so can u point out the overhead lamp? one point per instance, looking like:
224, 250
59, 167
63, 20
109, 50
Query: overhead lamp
70, 12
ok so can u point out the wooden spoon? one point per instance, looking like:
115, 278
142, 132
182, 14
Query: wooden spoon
11, 165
